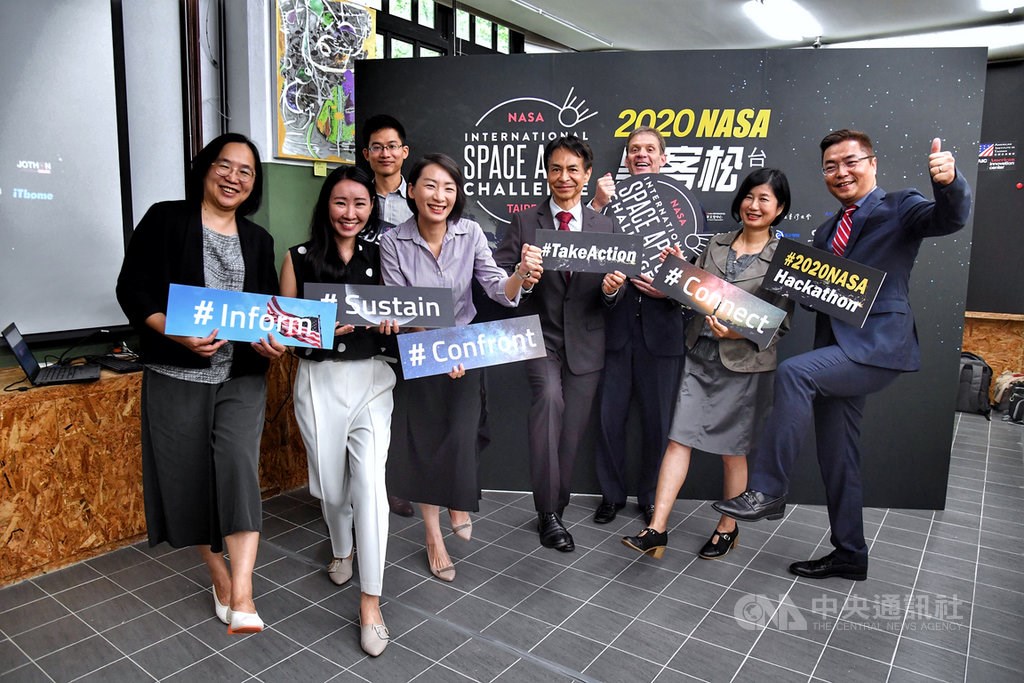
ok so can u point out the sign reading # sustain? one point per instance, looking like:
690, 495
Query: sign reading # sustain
248, 317
739, 310
836, 286
370, 304
589, 252
436, 352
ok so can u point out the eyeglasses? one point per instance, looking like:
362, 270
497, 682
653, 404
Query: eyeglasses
377, 148
830, 169
224, 169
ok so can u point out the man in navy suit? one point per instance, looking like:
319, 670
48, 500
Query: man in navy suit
827, 387
572, 309
644, 353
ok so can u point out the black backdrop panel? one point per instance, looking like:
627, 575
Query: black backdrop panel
723, 113
998, 248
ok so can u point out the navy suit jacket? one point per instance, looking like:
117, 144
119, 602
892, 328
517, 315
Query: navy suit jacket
573, 318
887, 232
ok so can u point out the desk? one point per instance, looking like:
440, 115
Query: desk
71, 467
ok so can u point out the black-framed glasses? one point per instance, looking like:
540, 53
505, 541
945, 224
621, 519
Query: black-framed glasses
224, 169
848, 165
377, 148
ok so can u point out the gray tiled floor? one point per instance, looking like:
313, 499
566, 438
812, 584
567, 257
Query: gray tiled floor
942, 602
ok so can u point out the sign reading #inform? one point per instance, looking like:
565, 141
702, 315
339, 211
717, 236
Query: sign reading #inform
244, 316
436, 352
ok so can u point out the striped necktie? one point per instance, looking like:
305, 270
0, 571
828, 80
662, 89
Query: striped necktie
843, 231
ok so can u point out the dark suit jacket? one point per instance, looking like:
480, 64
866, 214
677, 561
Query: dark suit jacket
887, 232
575, 318
661, 323
166, 247
742, 355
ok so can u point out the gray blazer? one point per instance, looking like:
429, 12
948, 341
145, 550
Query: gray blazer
742, 355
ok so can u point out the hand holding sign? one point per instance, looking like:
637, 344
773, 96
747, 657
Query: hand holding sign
612, 281
941, 165
201, 346
604, 193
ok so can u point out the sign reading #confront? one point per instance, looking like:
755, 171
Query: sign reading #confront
370, 304
708, 294
436, 352
589, 252
244, 316
835, 286
663, 212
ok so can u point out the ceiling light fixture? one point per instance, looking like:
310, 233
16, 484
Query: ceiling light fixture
562, 22
1000, 5
783, 20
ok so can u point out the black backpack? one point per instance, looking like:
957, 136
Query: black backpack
975, 380
1015, 411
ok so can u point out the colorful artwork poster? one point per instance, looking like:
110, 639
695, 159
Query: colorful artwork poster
318, 43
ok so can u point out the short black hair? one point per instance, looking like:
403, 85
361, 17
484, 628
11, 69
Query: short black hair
772, 177
844, 134
452, 169
572, 144
380, 122
196, 179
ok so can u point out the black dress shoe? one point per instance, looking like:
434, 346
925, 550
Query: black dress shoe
400, 506
606, 512
553, 533
752, 505
648, 511
827, 567
648, 541
726, 541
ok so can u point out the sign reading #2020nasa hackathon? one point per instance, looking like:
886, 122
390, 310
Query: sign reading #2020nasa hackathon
835, 286
247, 317
428, 307
589, 252
436, 352
754, 318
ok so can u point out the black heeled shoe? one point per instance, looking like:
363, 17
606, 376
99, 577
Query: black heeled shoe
649, 542
727, 540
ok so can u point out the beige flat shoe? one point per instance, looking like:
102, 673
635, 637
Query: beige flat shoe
340, 571
446, 573
463, 531
373, 638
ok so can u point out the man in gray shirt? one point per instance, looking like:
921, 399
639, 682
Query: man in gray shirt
384, 149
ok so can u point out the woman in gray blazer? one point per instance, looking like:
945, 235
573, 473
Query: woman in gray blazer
726, 386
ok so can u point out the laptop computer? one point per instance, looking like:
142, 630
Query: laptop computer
53, 374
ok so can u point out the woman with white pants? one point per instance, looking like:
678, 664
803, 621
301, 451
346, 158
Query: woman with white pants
342, 397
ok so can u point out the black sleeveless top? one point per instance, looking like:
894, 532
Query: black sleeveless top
362, 269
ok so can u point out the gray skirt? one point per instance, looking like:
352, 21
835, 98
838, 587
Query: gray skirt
719, 411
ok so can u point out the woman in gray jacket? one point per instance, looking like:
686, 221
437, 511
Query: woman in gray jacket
726, 386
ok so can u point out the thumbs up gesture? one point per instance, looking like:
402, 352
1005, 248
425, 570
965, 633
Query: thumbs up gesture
941, 165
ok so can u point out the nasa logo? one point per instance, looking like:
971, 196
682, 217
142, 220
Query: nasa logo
525, 117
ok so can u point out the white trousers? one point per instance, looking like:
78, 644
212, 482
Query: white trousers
343, 409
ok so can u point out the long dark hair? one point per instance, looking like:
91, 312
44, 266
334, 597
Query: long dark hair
196, 179
451, 168
323, 254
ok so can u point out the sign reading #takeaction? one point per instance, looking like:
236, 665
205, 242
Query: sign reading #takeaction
428, 307
746, 314
244, 316
590, 252
819, 279
436, 352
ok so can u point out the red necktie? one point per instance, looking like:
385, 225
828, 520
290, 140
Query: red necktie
843, 231
563, 224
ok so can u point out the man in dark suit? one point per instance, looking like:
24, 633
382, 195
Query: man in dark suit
827, 387
644, 354
572, 309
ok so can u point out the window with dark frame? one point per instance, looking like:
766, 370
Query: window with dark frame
426, 28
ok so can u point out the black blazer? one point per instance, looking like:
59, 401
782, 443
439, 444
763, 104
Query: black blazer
167, 247
573, 317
